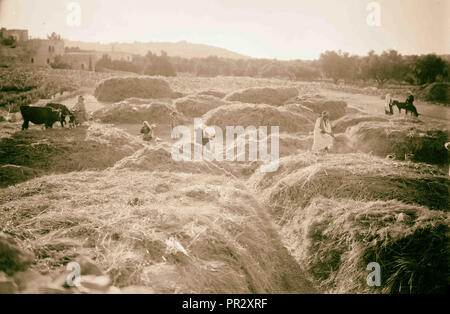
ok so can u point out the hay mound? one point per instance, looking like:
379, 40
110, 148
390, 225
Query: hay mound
113, 137
126, 112
257, 115
159, 158
300, 178
288, 144
118, 89
306, 95
306, 112
25, 155
437, 92
400, 138
140, 101
336, 239
188, 233
198, 105
12, 174
342, 124
275, 96
12, 257
214, 93
336, 109
341, 145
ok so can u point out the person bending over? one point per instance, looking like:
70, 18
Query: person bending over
323, 134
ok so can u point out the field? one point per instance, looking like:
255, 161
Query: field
24, 85
137, 221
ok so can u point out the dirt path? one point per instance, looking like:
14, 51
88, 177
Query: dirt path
375, 105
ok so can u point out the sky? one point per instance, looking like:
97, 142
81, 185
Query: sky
281, 29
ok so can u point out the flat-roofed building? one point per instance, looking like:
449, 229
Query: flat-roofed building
20, 35
44, 51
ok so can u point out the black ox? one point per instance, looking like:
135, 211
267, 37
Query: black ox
39, 115
64, 113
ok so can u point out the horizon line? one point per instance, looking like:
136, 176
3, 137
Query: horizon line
244, 56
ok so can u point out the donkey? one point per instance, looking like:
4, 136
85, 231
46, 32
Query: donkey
409, 107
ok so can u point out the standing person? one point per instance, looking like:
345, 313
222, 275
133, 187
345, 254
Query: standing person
388, 105
79, 110
323, 134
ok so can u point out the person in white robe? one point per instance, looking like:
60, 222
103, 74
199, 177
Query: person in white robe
323, 134
388, 105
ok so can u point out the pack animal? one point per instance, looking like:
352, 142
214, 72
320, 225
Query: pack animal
65, 112
407, 106
39, 115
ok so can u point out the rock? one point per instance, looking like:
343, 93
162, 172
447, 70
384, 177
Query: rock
12, 257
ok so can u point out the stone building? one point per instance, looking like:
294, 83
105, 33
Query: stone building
115, 55
44, 51
81, 60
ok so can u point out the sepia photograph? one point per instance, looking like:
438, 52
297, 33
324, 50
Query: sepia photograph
221, 153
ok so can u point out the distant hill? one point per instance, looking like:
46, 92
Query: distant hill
179, 49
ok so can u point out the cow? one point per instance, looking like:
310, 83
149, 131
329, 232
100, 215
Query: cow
39, 115
64, 113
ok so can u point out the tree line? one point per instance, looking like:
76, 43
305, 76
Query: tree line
389, 66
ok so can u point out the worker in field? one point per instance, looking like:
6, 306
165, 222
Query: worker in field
147, 130
79, 111
388, 105
410, 99
323, 134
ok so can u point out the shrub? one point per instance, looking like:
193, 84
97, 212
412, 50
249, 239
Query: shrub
58, 63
